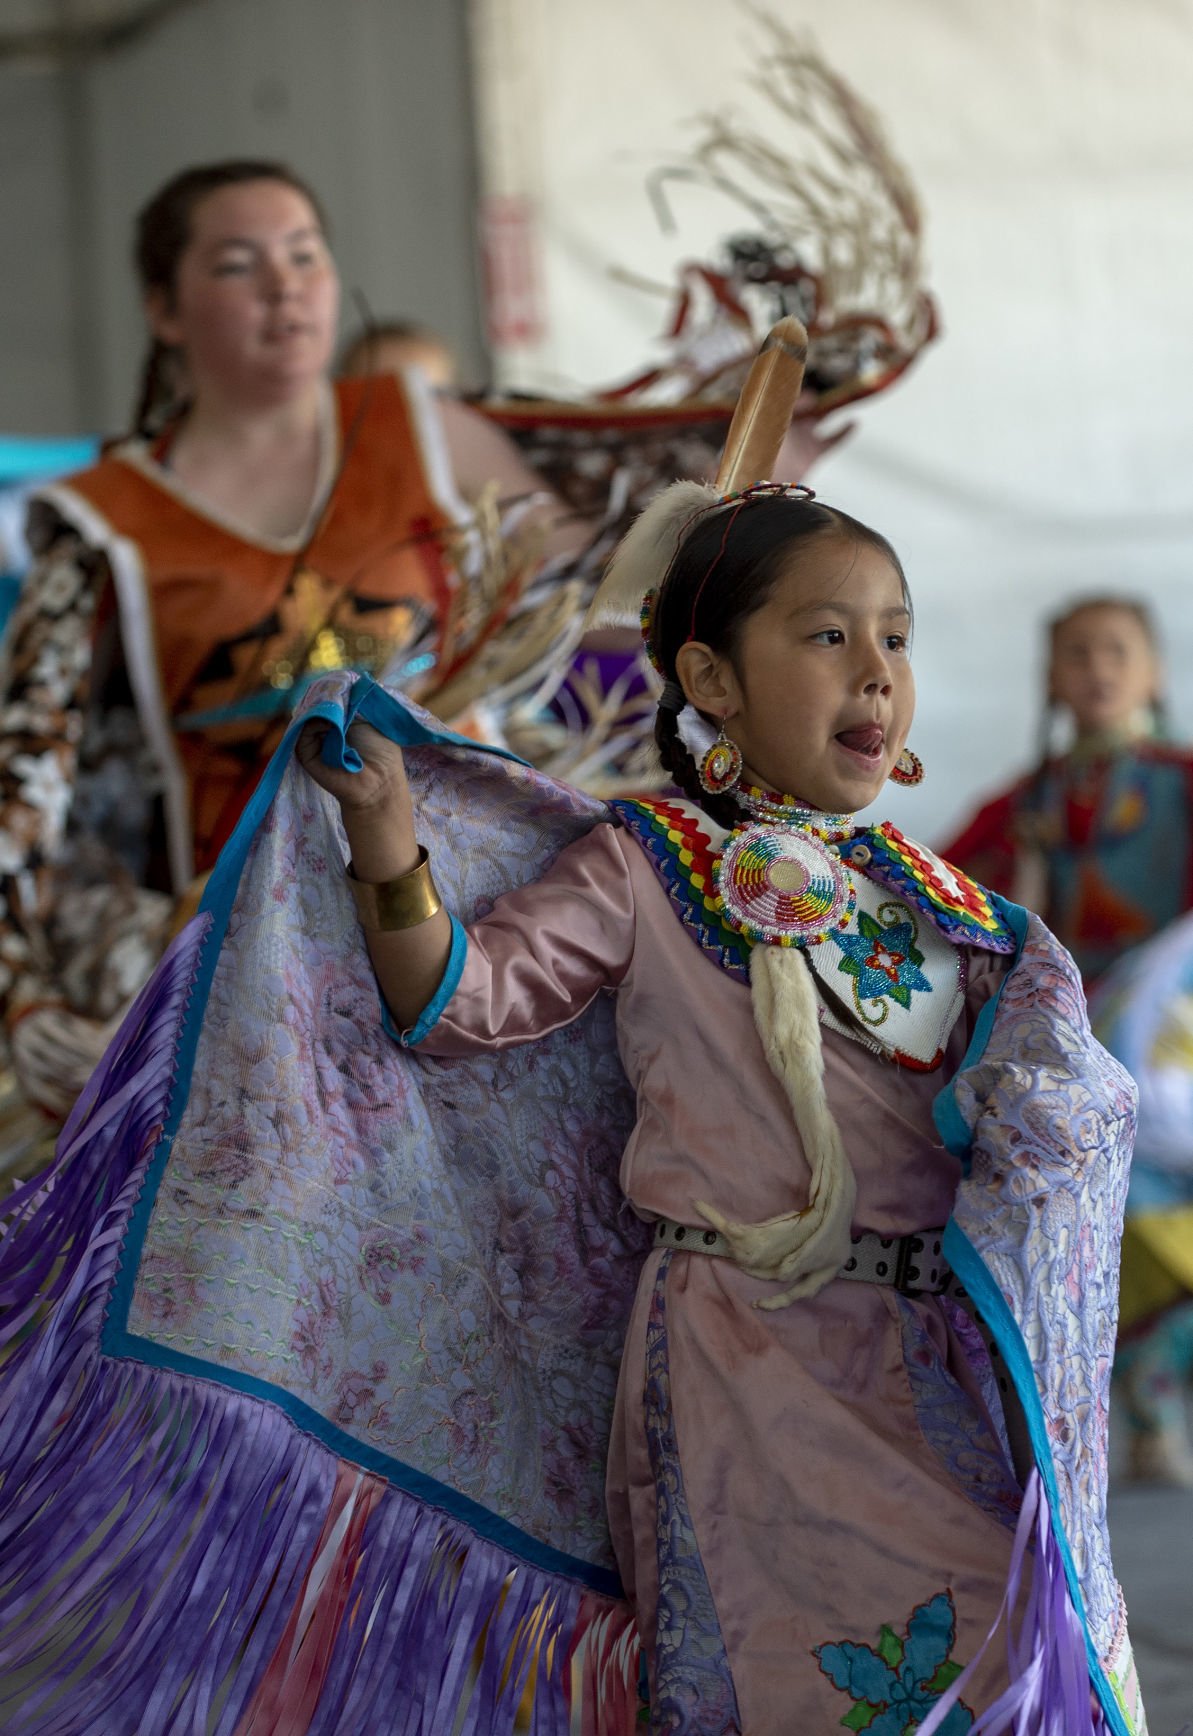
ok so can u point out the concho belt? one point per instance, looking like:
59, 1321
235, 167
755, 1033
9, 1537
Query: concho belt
911, 1264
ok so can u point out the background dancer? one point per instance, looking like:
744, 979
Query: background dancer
260, 528
1099, 839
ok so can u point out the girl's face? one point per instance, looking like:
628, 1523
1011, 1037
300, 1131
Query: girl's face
1104, 667
819, 695
256, 296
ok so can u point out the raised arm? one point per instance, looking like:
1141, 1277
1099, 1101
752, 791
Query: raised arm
408, 947
483, 454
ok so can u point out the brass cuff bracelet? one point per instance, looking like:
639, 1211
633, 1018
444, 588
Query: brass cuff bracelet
401, 903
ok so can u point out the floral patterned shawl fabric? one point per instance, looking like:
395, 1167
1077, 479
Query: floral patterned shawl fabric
1048, 1117
431, 1258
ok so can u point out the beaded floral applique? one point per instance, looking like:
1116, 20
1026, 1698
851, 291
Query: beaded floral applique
883, 960
895, 1684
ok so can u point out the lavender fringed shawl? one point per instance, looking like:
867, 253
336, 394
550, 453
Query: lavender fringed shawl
316, 1408
311, 1346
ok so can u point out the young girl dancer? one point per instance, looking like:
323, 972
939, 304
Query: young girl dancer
810, 1484
314, 1332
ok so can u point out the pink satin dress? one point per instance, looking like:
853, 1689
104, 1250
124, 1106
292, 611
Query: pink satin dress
813, 1507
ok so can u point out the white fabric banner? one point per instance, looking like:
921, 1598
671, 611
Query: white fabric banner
1041, 448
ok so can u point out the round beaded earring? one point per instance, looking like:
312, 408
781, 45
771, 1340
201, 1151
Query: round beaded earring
908, 768
721, 766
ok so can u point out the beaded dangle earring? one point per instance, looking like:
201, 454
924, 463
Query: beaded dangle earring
908, 769
721, 766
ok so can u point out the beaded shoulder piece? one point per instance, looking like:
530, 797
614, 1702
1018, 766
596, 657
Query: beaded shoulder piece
963, 911
682, 855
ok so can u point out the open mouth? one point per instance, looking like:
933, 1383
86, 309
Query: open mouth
865, 742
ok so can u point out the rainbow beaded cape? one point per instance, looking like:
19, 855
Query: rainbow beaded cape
310, 1343
685, 860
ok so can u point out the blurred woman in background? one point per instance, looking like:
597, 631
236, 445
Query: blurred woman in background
1099, 840
261, 526
1098, 837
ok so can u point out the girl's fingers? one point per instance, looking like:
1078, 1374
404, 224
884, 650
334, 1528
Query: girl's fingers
310, 740
369, 743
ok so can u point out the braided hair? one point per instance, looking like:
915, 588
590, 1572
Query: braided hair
751, 551
163, 232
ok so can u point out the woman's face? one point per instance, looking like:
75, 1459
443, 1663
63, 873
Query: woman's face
819, 695
1104, 667
256, 296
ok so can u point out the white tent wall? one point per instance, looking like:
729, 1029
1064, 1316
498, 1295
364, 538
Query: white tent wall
369, 99
38, 360
1042, 447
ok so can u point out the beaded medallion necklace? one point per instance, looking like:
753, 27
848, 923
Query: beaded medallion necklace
778, 880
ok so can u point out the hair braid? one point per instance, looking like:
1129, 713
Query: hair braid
676, 759
156, 396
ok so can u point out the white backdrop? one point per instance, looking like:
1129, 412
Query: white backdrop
1043, 447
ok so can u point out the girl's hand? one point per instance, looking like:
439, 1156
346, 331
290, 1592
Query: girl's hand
374, 802
378, 817
381, 781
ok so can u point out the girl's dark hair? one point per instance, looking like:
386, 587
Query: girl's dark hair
750, 550
1141, 614
163, 231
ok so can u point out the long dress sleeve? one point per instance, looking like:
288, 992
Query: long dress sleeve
78, 932
44, 692
539, 958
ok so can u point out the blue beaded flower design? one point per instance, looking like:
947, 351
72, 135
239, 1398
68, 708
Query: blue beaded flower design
882, 957
895, 1684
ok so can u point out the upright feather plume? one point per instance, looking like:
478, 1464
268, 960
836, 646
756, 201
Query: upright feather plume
765, 408
756, 433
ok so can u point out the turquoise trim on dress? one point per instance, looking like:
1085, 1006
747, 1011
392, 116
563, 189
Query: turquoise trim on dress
431, 1014
975, 1275
416, 1484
